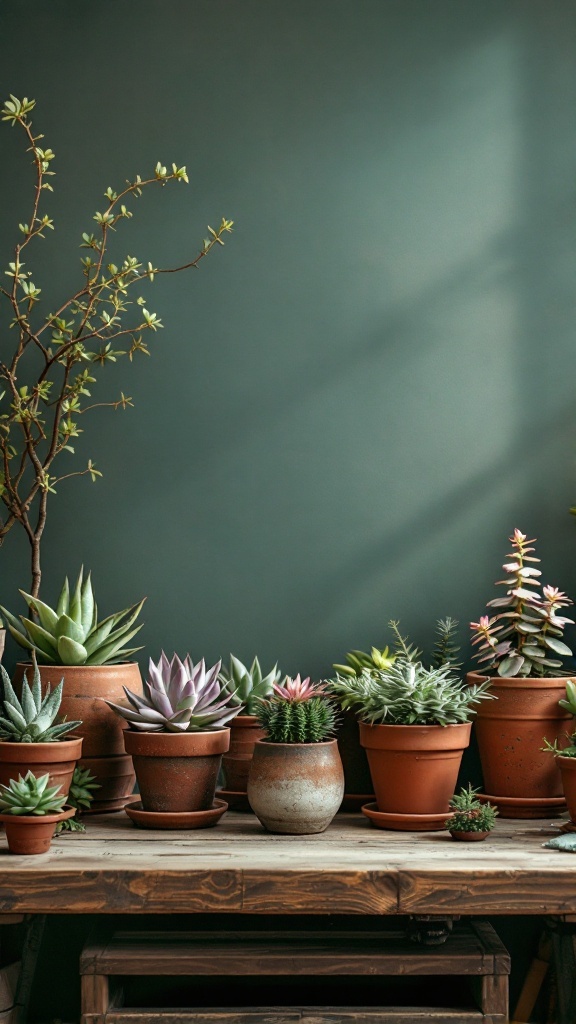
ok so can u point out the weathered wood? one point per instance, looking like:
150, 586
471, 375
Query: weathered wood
494, 994
95, 994
314, 1015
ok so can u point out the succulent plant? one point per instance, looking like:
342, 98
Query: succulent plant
296, 689
527, 631
179, 696
297, 720
32, 719
30, 795
470, 814
70, 634
80, 796
246, 684
358, 661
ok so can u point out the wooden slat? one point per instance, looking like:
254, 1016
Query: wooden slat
313, 1015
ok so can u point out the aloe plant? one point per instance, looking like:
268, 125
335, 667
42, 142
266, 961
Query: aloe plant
33, 718
71, 634
357, 661
246, 684
31, 796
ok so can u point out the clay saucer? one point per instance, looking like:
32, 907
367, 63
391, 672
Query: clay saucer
352, 802
237, 801
405, 822
176, 819
526, 806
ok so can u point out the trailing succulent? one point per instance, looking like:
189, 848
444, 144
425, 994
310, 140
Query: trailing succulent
179, 696
32, 796
297, 713
245, 685
80, 796
70, 634
470, 814
32, 719
409, 693
526, 633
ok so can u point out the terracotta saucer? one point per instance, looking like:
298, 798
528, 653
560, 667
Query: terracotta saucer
237, 801
352, 802
526, 806
176, 819
405, 822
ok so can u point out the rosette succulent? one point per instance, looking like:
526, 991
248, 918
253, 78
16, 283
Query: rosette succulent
32, 796
179, 696
70, 634
296, 689
246, 684
33, 718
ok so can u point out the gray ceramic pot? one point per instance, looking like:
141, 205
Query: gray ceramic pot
295, 788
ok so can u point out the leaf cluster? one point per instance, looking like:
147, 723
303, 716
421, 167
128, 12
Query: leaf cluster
245, 685
31, 796
81, 795
297, 721
358, 661
470, 814
32, 719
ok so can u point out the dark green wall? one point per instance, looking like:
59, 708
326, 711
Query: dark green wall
354, 403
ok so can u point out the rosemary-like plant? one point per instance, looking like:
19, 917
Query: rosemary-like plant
470, 814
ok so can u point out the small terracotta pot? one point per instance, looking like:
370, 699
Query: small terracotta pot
116, 778
468, 837
32, 834
244, 732
295, 788
567, 767
414, 768
177, 771
57, 759
511, 732
357, 778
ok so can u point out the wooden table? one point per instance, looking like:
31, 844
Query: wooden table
237, 867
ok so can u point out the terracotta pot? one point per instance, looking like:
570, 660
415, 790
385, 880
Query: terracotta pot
32, 834
58, 759
468, 837
357, 778
567, 767
295, 788
177, 771
244, 732
116, 778
414, 768
511, 732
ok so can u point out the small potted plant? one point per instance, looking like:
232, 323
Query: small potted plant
245, 685
472, 820
415, 724
565, 752
31, 736
296, 781
30, 810
81, 798
520, 649
177, 733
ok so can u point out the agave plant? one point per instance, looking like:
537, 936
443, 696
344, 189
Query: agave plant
32, 719
246, 684
70, 634
30, 795
179, 696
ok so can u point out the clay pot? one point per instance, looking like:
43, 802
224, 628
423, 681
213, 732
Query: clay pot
57, 759
295, 788
567, 767
177, 771
414, 768
116, 778
468, 837
244, 732
511, 732
32, 834
357, 778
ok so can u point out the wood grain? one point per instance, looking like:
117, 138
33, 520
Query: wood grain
314, 1015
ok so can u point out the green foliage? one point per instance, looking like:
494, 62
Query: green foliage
297, 721
568, 751
569, 703
358, 661
245, 685
446, 649
470, 814
32, 796
70, 634
32, 719
528, 629
81, 796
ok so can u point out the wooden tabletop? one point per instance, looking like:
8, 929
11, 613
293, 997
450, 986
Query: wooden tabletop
237, 867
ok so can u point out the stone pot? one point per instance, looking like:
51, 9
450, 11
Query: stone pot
244, 733
567, 767
177, 771
414, 768
116, 778
58, 759
30, 833
295, 788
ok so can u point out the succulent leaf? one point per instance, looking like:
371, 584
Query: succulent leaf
70, 652
33, 719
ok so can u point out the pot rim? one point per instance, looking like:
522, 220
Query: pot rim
270, 743
76, 668
140, 743
39, 819
13, 745
396, 727
529, 682
567, 761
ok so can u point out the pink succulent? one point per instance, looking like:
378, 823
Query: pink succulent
296, 689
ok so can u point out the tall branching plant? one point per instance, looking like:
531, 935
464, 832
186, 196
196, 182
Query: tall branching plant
54, 359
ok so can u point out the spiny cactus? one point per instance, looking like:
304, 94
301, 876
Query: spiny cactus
32, 719
313, 720
30, 795
246, 684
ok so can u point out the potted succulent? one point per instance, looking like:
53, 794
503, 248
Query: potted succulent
32, 737
471, 820
81, 798
520, 649
244, 685
565, 752
30, 810
92, 658
415, 723
296, 780
177, 733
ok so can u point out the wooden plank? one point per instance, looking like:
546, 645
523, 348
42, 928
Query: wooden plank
499, 892
312, 1015
311, 892
492, 943
94, 994
494, 994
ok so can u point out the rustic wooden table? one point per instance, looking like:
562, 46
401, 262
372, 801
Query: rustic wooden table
237, 867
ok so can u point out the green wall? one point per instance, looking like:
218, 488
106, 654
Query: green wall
353, 403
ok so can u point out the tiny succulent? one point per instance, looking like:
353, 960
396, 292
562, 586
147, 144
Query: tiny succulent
30, 795
358, 661
70, 634
33, 718
179, 696
245, 684
297, 713
80, 796
470, 814
522, 639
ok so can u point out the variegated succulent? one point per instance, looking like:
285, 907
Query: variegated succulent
179, 696
33, 718
246, 684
